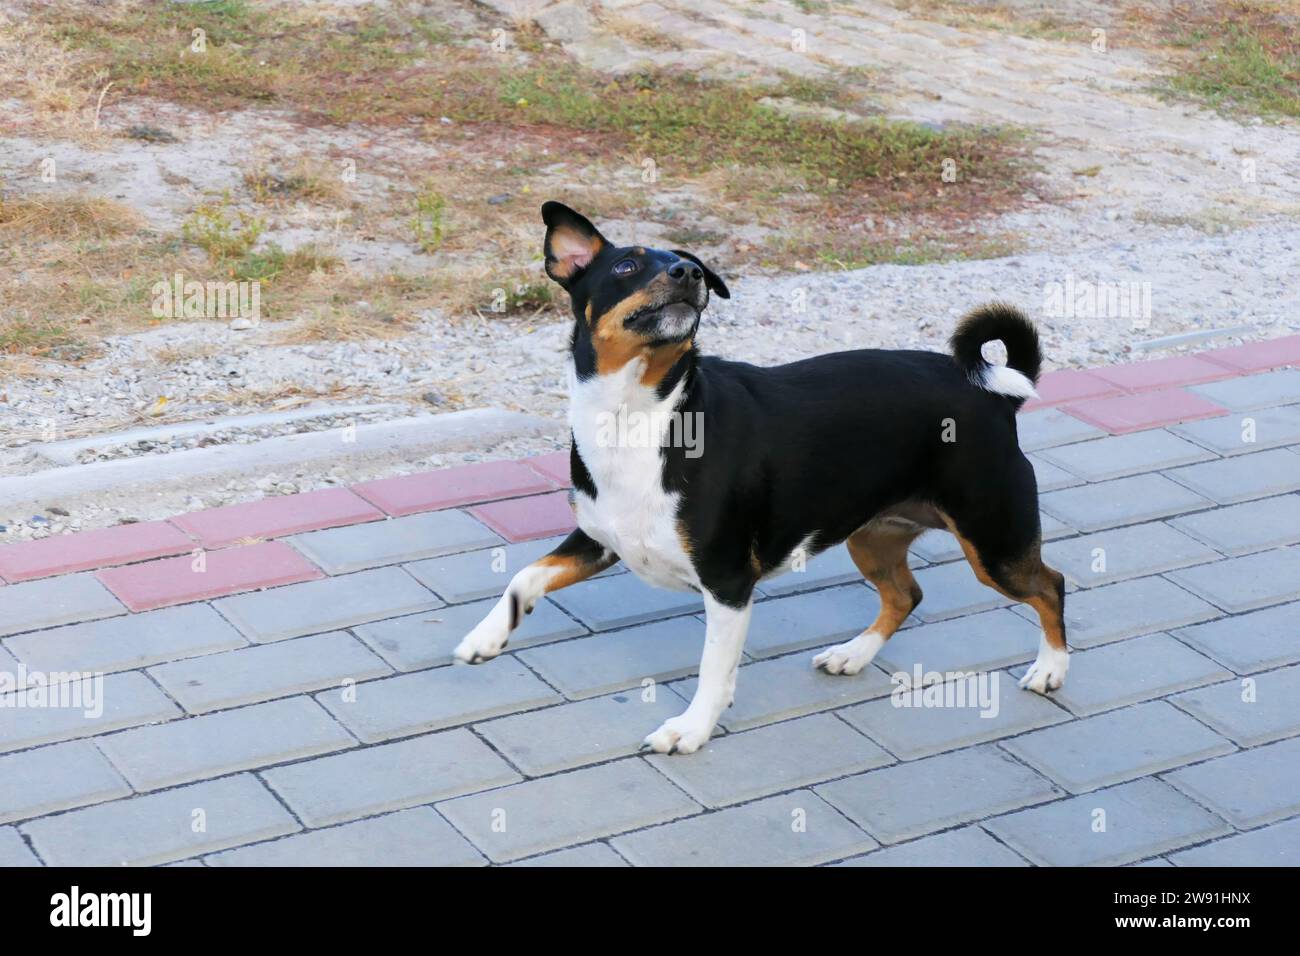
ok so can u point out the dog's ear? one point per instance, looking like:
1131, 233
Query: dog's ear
710, 277
571, 242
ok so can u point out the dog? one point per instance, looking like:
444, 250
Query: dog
870, 447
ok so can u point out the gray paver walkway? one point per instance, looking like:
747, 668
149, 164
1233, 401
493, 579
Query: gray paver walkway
323, 723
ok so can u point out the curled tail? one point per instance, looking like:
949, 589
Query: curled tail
1017, 378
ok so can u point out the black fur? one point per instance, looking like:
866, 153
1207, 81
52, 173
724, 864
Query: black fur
998, 321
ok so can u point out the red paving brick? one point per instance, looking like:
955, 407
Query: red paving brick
1258, 356
554, 466
142, 587
1131, 413
1067, 385
87, 550
1162, 373
452, 487
523, 519
273, 517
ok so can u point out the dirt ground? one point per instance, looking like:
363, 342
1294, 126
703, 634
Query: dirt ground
375, 169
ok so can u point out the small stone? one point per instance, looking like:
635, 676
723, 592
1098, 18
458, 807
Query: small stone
240, 325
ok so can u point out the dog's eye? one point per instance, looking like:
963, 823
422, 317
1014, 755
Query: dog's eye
625, 267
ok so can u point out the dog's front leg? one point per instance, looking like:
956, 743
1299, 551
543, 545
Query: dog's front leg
576, 558
724, 638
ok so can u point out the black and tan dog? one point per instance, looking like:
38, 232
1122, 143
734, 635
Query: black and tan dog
866, 447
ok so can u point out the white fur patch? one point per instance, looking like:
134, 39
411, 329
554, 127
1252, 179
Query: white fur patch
631, 514
1006, 381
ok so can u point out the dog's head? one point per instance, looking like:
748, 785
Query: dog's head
628, 301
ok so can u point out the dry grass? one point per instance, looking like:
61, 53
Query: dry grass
733, 161
64, 218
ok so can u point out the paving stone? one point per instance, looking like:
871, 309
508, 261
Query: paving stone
1275, 845
1113, 612
1136, 551
913, 732
1250, 642
1068, 384
523, 519
604, 663
952, 590
473, 575
604, 603
123, 700
452, 487
1242, 478
554, 466
1130, 413
86, 550
1246, 583
361, 783
187, 750
1261, 713
1248, 788
1227, 435
357, 547
800, 621
125, 643
937, 547
55, 601
783, 687
425, 640
1122, 455
1049, 427
1141, 819
1254, 391
1050, 477
1137, 669
429, 700
1258, 356
1252, 526
277, 516
832, 566
592, 854
416, 837
521, 820
154, 584
267, 671
585, 732
911, 799
162, 827
969, 846
1122, 745
1053, 528
986, 641
326, 605
1161, 373
760, 762
60, 777
1122, 501
13, 851
792, 829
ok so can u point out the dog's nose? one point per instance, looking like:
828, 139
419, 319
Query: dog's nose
685, 273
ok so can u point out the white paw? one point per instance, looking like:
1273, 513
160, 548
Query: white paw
683, 734
851, 656
1047, 672
489, 636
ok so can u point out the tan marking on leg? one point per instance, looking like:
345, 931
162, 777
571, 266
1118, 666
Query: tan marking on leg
1027, 580
881, 556
570, 569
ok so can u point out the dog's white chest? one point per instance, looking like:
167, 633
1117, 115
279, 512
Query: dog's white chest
618, 427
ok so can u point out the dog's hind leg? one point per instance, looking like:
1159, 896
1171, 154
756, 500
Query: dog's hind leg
576, 558
1024, 577
879, 549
